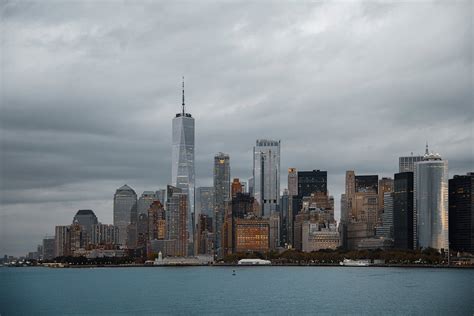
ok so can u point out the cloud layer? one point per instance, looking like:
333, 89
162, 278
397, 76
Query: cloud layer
88, 91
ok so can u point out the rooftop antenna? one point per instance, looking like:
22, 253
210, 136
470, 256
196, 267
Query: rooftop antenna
183, 96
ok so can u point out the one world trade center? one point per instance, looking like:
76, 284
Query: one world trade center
182, 169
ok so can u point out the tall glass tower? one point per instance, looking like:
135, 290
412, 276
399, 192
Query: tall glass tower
125, 211
431, 203
182, 168
266, 175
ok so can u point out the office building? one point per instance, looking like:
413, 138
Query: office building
431, 203
292, 182
317, 236
145, 201
156, 225
105, 235
86, 218
285, 221
403, 210
236, 187
312, 181
252, 235
359, 217
205, 201
182, 161
385, 227
221, 195
62, 239
176, 220
161, 196
48, 249
385, 186
205, 236
125, 211
266, 175
461, 213
407, 163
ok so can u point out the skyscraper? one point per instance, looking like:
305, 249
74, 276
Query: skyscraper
221, 194
145, 201
266, 175
360, 210
461, 213
87, 219
292, 182
310, 182
236, 187
176, 220
125, 211
407, 163
403, 210
182, 167
205, 201
431, 203
385, 186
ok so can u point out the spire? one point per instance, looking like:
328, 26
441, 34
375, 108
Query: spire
426, 150
183, 96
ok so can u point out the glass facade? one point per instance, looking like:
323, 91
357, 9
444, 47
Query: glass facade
431, 203
145, 201
403, 210
125, 211
461, 213
407, 164
266, 175
205, 201
182, 168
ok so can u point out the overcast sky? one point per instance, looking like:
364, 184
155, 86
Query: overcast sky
88, 92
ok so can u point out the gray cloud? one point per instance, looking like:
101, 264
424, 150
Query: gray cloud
88, 91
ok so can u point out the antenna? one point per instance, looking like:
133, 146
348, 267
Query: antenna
183, 96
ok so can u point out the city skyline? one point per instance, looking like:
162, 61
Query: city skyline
71, 150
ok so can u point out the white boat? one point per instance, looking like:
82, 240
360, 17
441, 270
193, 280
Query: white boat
251, 262
355, 263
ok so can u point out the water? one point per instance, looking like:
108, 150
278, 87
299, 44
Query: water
253, 290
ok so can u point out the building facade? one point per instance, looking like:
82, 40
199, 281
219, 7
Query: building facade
221, 195
182, 161
461, 213
205, 201
125, 211
407, 163
403, 210
431, 203
105, 235
145, 201
176, 220
266, 175
252, 235
359, 213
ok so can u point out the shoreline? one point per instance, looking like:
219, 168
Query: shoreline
259, 266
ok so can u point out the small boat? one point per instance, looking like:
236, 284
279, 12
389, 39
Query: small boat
252, 262
355, 263
233, 272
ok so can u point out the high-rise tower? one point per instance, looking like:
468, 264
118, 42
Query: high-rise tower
266, 175
182, 168
431, 203
125, 211
221, 195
